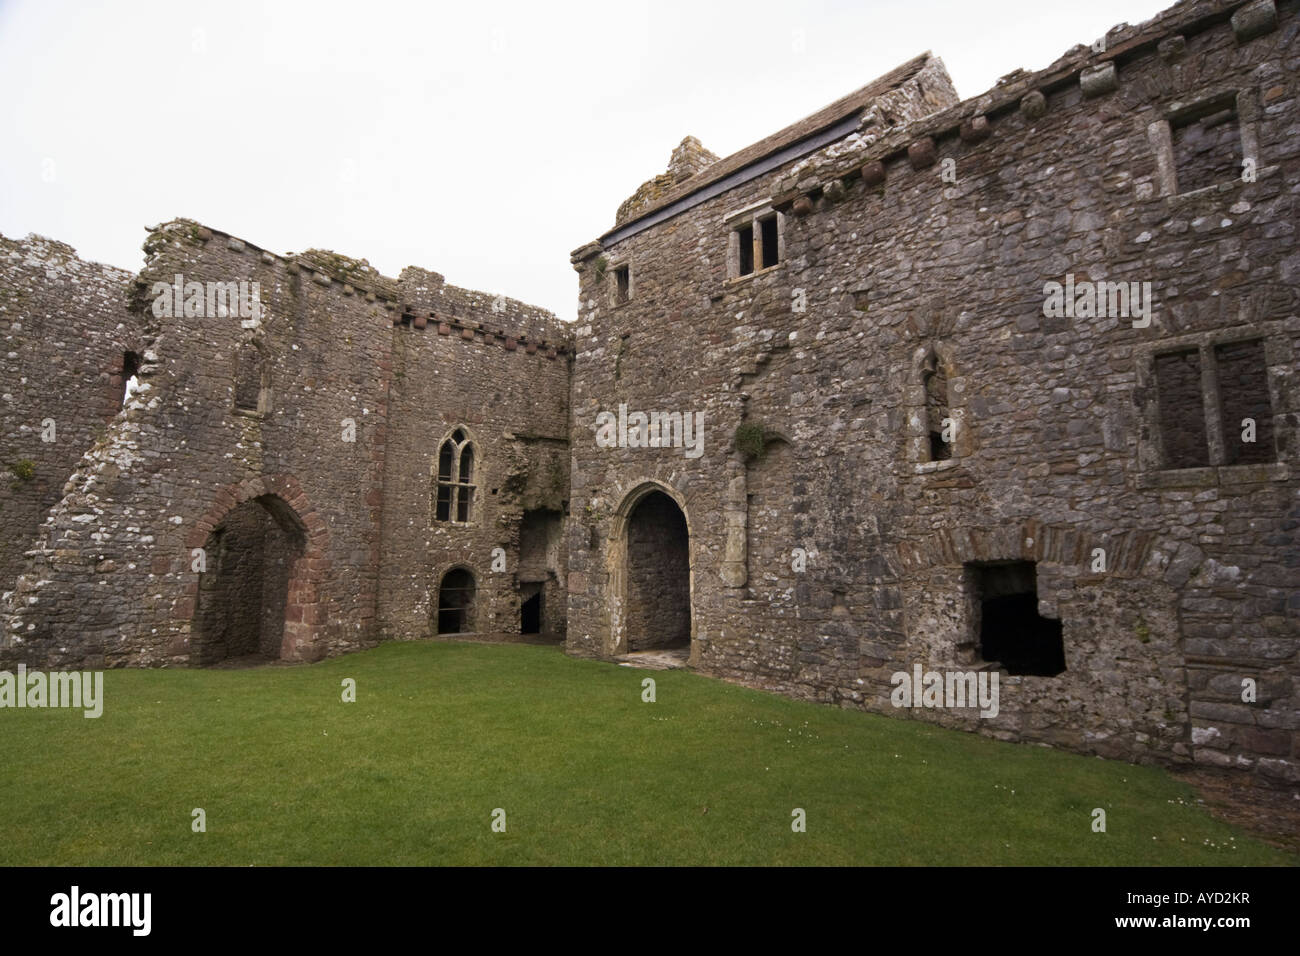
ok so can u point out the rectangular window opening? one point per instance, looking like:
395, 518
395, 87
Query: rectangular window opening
1181, 410
770, 241
746, 237
1207, 144
248, 378
1244, 404
1010, 630
622, 284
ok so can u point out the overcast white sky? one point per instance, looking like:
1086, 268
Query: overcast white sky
482, 140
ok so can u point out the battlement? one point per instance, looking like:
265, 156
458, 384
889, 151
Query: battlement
1095, 71
888, 131
417, 299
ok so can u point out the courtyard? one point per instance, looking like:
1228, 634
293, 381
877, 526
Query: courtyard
571, 762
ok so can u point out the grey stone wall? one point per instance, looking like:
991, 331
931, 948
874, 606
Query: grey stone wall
324, 407
832, 540
933, 241
66, 331
503, 376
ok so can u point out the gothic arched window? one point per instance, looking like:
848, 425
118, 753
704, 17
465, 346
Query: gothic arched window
454, 499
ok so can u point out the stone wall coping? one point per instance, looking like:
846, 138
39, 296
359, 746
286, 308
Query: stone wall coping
1123, 43
558, 338
970, 119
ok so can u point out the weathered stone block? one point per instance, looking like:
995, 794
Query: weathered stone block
873, 173
1099, 80
974, 130
922, 153
1254, 20
1172, 49
1033, 105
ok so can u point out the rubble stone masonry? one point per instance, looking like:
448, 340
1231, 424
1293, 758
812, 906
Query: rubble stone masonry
327, 409
835, 540
1005, 383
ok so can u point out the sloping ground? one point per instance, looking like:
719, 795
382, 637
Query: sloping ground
1273, 814
583, 771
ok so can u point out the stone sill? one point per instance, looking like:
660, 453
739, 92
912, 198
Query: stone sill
1208, 192
933, 467
249, 413
734, 281
1225, 475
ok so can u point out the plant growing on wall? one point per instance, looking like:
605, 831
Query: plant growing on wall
750, 440
24, 469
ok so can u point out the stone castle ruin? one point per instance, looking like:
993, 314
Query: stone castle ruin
1000, 384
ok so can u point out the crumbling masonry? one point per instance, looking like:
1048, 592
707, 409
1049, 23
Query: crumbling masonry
1002, 383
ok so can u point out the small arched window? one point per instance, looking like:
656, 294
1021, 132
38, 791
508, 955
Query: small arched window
454, 499
938, 414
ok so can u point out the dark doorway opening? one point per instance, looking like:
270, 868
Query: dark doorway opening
658, 575
1011, 631
530, 615
456, 602
244, 573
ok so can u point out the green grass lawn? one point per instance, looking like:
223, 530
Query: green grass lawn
443, 734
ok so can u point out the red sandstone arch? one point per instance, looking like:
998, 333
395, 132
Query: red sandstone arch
306, 610
1129, 553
